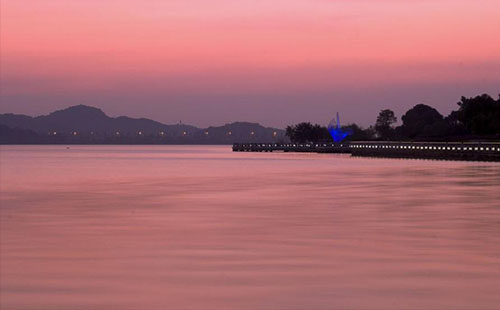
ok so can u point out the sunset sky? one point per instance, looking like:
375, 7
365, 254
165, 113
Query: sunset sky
209, 62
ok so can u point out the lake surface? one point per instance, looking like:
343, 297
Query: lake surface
201, 227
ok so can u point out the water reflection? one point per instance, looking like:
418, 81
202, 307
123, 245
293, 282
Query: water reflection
155, 227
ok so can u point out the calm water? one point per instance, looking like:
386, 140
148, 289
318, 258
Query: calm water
176, 227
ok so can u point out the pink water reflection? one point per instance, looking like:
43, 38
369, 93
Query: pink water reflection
171, 227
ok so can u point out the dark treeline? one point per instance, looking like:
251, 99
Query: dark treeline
477, 118
304, 132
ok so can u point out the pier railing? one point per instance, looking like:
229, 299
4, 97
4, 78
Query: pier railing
292, 147
481, 151
484, 151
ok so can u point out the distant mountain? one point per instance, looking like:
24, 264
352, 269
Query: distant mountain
83, 119
85, 124
17, 136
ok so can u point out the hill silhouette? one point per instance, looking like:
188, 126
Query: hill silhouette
86, 124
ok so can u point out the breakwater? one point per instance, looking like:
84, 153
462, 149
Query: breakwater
473, 151
476, 151
293, 147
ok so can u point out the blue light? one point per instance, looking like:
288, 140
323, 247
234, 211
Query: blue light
337, 133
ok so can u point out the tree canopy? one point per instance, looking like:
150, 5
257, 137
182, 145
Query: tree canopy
479, 115
476, 117
383, 125
307, 132
420, 120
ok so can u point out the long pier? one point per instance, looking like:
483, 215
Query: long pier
472, 151
293, 147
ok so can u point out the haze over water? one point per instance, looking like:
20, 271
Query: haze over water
200, 227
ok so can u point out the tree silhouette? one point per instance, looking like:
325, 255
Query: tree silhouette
421, 121
356, 133
479, 115
383, 125
307, 132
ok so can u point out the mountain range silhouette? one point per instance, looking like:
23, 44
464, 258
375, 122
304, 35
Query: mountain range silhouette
86, 124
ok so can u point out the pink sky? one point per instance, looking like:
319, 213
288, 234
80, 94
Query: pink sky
275, 62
